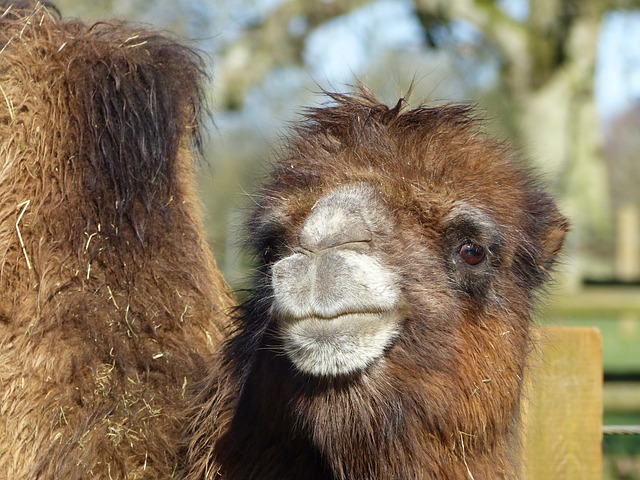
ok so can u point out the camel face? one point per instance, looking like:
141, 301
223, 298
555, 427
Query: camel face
340, 295
336, 298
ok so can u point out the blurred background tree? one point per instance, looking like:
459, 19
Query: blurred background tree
559, 78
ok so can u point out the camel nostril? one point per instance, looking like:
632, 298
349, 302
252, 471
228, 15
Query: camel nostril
345, 218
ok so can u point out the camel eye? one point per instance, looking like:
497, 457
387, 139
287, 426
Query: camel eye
471, 253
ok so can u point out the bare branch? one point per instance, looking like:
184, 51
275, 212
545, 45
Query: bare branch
277, 40
505, 33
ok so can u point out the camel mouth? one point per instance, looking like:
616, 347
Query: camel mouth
355, 315
339, 345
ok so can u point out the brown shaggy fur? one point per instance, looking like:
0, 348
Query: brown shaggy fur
109, 297
444, 401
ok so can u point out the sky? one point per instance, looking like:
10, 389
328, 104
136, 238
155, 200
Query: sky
618, 69
346, 45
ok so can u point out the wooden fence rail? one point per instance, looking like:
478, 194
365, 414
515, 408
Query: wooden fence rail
562, 411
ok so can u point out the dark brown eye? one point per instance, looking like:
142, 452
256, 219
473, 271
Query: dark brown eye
471, 253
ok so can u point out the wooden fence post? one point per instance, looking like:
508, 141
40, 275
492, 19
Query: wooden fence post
628, 243
562, 407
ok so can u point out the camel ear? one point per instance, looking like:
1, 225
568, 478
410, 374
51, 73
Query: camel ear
547, 229
557, 226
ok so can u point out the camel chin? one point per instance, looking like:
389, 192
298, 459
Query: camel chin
338, 346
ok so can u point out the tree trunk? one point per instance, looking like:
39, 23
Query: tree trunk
560, 125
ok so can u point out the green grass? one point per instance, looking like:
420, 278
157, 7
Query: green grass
621, 452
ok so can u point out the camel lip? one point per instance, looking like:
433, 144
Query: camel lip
341, 345
355, 314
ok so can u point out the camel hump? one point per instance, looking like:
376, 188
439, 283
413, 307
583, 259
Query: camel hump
117, 101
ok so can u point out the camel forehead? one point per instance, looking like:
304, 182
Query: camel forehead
433, 185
